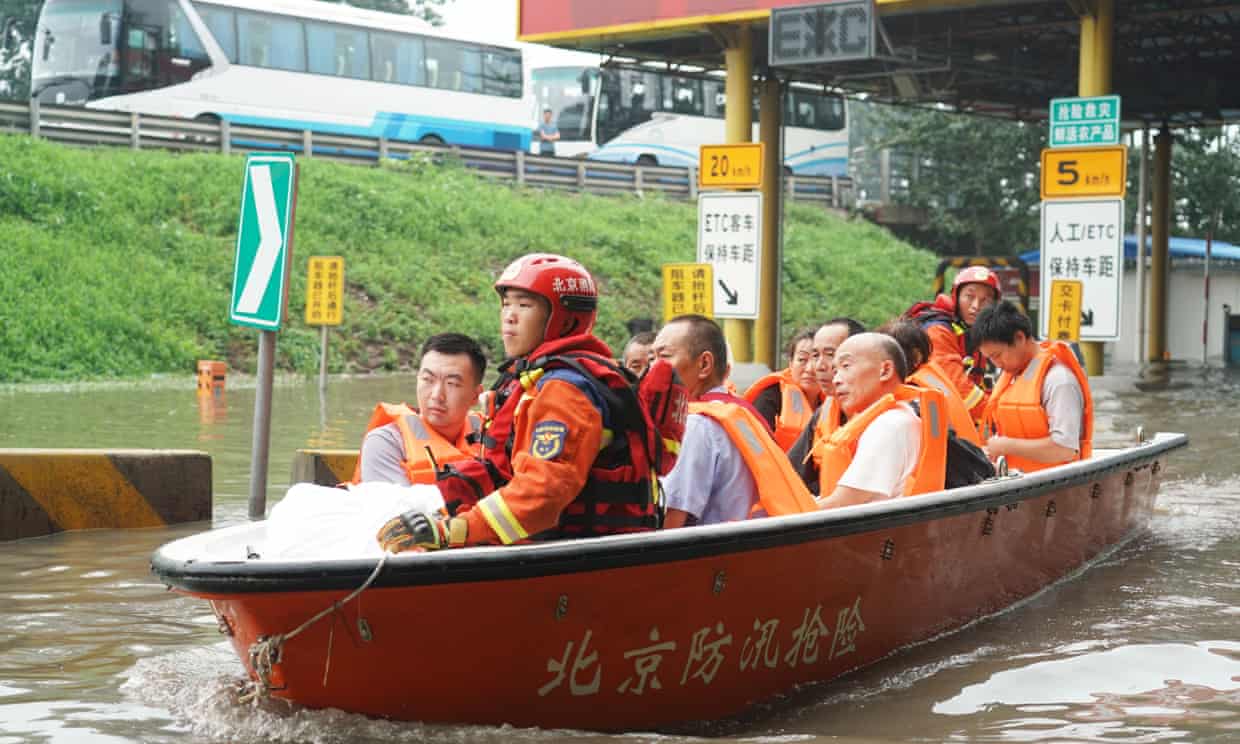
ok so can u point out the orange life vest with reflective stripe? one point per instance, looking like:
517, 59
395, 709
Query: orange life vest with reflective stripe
834, 452
1015, 408
780, 490
931, 376
417, 438
795, 408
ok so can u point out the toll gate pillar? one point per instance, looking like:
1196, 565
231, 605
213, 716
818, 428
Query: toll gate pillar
1159, 251
738, 123
1094, 79
770, 121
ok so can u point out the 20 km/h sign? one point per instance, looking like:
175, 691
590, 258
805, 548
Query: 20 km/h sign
736, 166
264, 241
1084, 171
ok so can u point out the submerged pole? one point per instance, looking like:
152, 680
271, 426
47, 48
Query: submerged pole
262, 424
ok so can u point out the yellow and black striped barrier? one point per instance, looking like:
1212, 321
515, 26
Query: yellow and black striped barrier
324, 467
43, 491
994, 262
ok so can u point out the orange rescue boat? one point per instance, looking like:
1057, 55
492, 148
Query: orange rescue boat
642, 631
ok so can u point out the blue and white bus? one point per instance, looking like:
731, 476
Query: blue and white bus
640, 114
294, 64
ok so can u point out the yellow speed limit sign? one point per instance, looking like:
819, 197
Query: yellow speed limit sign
730, 166
1084, 171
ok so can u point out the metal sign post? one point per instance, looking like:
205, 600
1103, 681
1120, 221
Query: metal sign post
260, 287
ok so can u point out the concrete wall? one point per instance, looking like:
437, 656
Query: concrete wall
1184, 311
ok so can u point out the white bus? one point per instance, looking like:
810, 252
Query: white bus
293, 64
637, 114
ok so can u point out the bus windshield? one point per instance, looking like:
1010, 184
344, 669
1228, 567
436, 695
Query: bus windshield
569, 92
89, 49
75, 49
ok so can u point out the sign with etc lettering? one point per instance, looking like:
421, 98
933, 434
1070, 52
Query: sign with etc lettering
325, 291
1085, 171
1080, 122
813, 34
687, 289
737, 166
1083, 240
730, 239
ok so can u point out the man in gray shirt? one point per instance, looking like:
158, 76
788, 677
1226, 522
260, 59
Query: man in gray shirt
403, 446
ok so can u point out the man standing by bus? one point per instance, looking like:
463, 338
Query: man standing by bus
548, 134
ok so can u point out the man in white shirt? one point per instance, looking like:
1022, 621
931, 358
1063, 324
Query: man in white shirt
877, 449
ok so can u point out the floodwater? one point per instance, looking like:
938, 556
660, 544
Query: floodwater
1144, 646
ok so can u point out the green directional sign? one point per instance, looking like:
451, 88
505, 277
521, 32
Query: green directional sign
1084, 122
264, 241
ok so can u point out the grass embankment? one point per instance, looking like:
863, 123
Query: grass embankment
118, 264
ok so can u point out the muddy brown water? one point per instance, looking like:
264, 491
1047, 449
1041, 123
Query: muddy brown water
1143, 646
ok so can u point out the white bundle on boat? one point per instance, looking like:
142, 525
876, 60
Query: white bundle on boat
315, 522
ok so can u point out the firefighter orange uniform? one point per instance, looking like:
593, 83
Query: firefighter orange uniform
564, 446
1016, 410
949, 339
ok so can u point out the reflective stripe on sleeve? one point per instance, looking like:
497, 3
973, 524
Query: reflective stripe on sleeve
497, 514
974, 397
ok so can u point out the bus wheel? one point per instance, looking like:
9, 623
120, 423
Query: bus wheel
212, 120
431, 139
646, 160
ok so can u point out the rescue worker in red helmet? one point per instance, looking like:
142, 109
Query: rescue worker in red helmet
947, 321
561, 454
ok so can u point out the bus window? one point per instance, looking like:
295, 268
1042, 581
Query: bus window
270, 41
629, 97
336, 50
501, 73
682, 96
398, 59
714, 98
222, 23
453, 66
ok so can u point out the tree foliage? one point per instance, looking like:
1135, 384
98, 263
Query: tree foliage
1205, 170
976, 177
17, 23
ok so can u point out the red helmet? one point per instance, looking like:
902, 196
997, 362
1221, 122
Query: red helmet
977, 275
565, 284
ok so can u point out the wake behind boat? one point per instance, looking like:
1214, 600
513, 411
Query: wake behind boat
642, 631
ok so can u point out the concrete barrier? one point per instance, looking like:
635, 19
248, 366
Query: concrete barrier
324, 467
43, 491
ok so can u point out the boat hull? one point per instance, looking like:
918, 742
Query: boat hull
641, 632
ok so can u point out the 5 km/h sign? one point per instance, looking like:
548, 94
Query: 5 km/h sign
264, 241
1084, 171
730, 166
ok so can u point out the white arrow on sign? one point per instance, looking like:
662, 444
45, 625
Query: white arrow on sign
270, 240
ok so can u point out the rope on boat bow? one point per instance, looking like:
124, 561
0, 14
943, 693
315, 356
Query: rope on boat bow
265, 652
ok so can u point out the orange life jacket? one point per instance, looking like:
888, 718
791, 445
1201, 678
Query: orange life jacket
780, 490
931, 376
795, 407
417, 439
1015, 408
834, 451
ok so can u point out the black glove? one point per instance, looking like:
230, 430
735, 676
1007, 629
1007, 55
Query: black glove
415, 530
